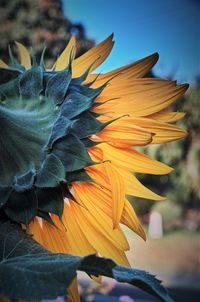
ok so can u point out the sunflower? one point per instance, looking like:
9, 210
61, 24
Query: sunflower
69, 147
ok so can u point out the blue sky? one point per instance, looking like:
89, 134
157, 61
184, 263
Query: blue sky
169, 27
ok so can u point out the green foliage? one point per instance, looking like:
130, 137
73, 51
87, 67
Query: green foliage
37, 24
169, 210
141, 206
31, 272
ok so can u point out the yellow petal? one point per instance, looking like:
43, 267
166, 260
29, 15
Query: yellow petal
141, 99
133, 70
122, 135
77, 242
97, 219
137, 86
35, 229
104, 194
133, 160
97, 238
3, 64
73, 294
118, 192
164, 132
98, 174
135, 188
63, 60
129, 218
104, 246
25, 58
167, 117
95, 55
54, 239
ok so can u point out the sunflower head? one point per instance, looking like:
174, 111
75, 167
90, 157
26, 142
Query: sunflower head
46, 124
66, 132
69, 147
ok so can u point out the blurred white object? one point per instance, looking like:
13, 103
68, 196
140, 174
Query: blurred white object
155, 230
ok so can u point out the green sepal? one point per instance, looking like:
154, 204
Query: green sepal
57, 86
72, 153
88, 143
5, 192
93, 81
42, 59
7, 74
25, 182
30, 84
51, 173
78, 81
24, 131
2, 97
91, 92
68, 194
51, 200
11, 88
80, 175
86, 124
60, 128
46, 216
21, 207
74, 104
13, 62
95, 114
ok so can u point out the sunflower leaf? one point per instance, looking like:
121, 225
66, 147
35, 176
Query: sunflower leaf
28, 271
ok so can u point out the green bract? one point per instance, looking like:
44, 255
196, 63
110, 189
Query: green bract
45, 123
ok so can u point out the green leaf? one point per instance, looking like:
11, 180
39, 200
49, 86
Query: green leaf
28, 271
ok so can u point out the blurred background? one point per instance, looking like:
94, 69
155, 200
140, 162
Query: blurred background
172, 29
